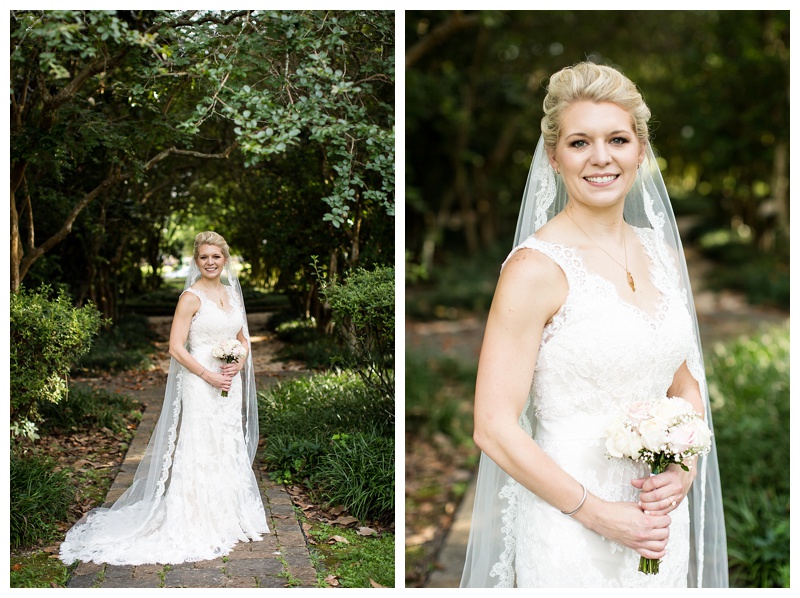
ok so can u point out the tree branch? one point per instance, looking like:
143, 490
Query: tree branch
454, 23
37, 252
173, 150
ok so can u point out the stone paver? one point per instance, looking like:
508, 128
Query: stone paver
280, 558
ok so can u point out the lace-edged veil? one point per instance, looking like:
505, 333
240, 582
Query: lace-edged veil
135, 510
491, 547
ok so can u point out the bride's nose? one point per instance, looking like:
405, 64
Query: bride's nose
599, 154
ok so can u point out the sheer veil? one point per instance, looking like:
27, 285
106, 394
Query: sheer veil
491, 547
136, 511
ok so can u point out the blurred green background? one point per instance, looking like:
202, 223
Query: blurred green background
717, 83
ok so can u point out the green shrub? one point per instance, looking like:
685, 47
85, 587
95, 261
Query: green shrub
336, 432
87, 409
40, 497
437, 396
293, 458
47, 336
358, 472
126, 345
749, 391
306, 343
363, 308
322, 405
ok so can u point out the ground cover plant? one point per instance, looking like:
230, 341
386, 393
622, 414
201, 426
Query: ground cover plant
350, 558
749, 390
335, 432
58, 477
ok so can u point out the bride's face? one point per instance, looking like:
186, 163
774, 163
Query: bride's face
597, 153
210, 260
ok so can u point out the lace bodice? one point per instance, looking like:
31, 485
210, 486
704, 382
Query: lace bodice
597, 365
212, 324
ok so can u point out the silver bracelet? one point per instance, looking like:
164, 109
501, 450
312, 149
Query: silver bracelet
583, 500
200, 375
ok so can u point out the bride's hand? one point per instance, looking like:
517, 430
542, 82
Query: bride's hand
662, 493
231, 369
626, 524
218, 380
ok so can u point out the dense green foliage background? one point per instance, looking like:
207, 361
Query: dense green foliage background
131, 130
717, 83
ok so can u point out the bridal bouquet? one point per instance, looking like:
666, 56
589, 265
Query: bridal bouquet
658, 433
229, 351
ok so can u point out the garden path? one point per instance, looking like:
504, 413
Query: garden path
281, 559
721, 315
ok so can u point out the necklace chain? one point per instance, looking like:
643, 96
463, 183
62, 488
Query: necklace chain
624, 249
217, 296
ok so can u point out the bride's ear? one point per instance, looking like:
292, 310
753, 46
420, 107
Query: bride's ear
553, 162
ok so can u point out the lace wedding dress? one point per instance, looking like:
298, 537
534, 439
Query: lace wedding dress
598, 355
208, 498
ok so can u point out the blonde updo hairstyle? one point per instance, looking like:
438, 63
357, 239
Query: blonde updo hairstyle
210, 238
595, 83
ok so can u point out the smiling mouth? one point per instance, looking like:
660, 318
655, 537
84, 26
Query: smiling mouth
602, 179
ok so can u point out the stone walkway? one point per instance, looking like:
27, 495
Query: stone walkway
281, 559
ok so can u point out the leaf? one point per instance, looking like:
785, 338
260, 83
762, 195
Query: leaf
345, 521
367, 531
332, 580
375, 584
338, 539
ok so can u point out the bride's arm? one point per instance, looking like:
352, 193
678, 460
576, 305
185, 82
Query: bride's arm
530, 291
658, 492
188, 304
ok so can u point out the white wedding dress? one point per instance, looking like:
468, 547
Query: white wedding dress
598, 355
208, 499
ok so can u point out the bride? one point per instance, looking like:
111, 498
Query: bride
592, 312
194, 495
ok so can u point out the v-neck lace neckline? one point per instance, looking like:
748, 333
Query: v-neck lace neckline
214, 303
659, 304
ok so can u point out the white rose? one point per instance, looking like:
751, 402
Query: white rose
640, 411
683, 437
654, 434
622, 442
668, 409
703, 434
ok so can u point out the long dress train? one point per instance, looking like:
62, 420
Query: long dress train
208, 496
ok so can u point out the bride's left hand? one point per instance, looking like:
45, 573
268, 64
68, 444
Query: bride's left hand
231, 369
661, 494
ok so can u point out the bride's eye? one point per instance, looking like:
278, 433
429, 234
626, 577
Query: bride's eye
578, 143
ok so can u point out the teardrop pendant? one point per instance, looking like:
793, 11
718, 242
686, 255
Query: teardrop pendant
630, 281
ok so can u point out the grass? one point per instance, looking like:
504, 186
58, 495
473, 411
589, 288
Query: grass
355, 563
37, 569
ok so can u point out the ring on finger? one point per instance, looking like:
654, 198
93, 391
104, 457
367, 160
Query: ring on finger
672, 501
